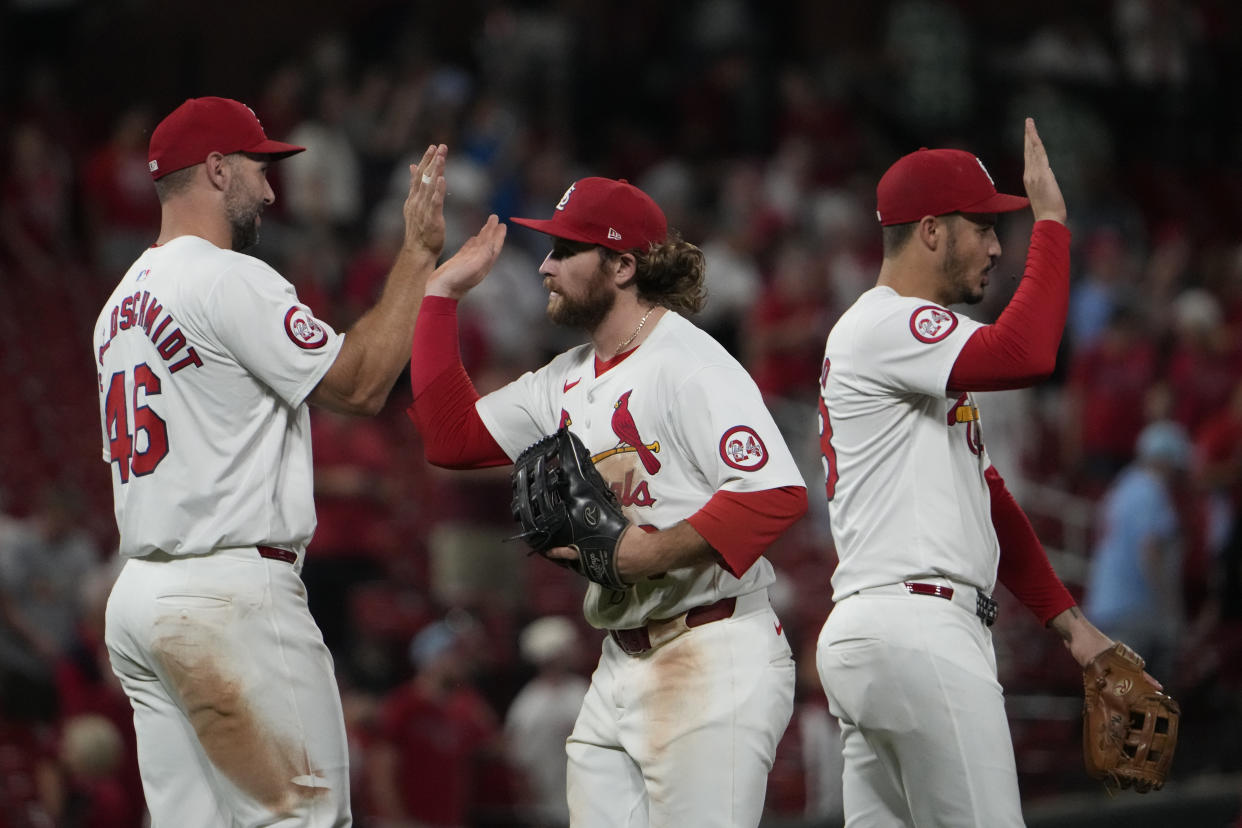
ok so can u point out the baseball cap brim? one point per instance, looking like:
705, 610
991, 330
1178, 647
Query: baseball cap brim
997, 203
559, 229
275, 149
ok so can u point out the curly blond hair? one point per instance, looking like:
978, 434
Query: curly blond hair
670, 274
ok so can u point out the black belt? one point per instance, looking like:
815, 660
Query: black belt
985, 605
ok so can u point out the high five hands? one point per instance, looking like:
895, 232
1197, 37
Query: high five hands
1041, 185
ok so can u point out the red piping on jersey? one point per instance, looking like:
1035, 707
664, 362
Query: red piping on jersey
741, 525
1024, 567
454, 436
1020, 348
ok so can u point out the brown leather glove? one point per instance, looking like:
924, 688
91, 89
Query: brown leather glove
1129, 727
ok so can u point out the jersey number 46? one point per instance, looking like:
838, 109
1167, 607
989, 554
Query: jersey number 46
122, 409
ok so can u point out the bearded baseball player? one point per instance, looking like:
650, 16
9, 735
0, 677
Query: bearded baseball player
206, 362
695, 681
923, 523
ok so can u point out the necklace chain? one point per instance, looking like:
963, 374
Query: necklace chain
626, 343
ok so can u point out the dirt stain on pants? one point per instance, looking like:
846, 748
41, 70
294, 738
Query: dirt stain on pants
268, 766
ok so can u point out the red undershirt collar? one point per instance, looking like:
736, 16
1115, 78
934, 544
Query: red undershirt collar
602, 366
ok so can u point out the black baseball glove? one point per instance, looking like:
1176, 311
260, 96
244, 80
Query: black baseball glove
561, 500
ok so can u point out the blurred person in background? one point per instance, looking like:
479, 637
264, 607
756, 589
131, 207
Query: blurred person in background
44, 560
1206, 359
1134, 587
37, 204
542, 714
1107, 274
356, 486
784, 330
122, 213
806, 778
1214, 640
1105, 401
89, 789
324, 188
433, 735
743, 227
1218, 450
86, 686
502, 313
783, 344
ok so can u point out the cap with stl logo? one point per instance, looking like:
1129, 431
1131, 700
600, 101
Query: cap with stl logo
201, 126
936, 182
611, 213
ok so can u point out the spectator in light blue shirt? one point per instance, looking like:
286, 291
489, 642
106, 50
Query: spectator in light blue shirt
1135, 582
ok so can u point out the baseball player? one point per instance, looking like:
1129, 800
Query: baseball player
923, 523
206, 361
694, 685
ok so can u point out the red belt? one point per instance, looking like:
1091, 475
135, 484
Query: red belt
939, 591
277, 554
638, 640
985, 606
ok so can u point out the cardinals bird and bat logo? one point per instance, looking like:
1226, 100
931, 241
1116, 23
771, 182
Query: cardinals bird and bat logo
740, 448
630, 441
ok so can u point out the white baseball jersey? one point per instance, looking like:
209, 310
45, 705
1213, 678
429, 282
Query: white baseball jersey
904, 462
205, 358
670, 425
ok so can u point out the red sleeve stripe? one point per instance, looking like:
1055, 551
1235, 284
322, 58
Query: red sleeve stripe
454, 436
741, 525
1020, 348
1024, 567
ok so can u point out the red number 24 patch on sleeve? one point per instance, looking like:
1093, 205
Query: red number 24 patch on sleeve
741, 448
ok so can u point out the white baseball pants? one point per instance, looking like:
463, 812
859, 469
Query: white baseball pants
912, 679
685, 734
236, 706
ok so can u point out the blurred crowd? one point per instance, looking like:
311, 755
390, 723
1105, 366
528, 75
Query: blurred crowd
761, 128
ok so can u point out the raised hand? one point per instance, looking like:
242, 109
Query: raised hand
471, 263
424, 206
1041, 185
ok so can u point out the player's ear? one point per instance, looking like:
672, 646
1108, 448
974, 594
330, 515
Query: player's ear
625, 269
931, 231
217, 167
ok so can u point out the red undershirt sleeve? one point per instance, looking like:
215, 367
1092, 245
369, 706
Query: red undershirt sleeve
1020, 348
1024, 567
741, 525
454, 436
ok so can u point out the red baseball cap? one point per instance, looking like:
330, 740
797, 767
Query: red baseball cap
936, 182
201, 126
611, 213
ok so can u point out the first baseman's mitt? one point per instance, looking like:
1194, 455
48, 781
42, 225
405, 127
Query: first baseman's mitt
1129, 726
561, 500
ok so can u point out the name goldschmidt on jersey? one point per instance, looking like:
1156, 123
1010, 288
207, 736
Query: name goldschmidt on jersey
143, 310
